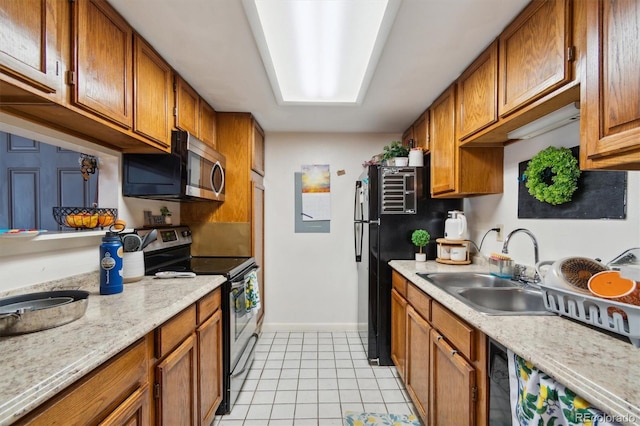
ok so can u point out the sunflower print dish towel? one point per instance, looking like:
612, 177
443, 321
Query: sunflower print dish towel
537, 399
252, 292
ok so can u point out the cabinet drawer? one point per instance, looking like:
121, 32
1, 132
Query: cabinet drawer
399, 283
420, 301
206, 306
171, 333
94, 395
456, 331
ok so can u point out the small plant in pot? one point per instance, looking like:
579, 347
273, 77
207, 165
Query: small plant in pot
420, 238
394, 151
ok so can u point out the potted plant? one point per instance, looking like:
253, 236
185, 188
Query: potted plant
420, 238
164, 211
397, 153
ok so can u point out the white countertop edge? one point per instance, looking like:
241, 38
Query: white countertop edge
583, 383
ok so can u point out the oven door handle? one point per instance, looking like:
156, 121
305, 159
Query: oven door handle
247, 363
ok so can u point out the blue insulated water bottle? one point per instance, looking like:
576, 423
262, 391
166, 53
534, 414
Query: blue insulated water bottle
111, 264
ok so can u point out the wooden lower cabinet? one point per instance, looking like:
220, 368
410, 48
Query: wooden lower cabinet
453, 385
209, 337
417, 368
176, 397
445, 364
132, 412
398, 332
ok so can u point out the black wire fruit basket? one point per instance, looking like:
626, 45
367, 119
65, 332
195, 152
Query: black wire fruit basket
85, 217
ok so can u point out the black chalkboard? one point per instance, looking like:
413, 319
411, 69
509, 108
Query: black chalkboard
600, 195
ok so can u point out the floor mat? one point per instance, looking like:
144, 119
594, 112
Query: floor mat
353, 418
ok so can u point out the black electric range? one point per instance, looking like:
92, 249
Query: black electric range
172, 252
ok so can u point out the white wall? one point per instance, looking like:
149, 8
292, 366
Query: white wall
311, 280
557, 238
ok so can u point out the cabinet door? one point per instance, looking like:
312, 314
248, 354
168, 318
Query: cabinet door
152, 94
421, 132
534, 54
453, 388
176, 381
134, 411
102, 47
30, 43
408, 136
443, 143
187, 107
478, 93
207, 124
257, 234
417, 367
257, 150
209, 336
610, 117
398, 331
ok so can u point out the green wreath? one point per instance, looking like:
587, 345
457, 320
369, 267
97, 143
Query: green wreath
552, 175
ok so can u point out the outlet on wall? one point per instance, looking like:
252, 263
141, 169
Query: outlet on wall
500, 233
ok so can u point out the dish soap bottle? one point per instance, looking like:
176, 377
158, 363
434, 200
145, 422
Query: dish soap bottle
111, 264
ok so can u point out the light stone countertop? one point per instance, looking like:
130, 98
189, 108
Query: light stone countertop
602, 369
37, 366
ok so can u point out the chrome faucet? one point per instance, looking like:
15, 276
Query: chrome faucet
520, 270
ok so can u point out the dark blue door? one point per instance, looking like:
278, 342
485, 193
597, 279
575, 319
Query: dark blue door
34, 178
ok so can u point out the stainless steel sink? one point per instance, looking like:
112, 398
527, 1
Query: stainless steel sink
466, 279
489, 294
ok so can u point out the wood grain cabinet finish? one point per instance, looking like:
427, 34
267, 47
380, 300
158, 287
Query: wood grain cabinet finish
443, 143
478, 93
453, 385
102, 62
610, 105
257, 234
421, 132
257, 149
459, 171
398, 332
114, 392
187, 107
153, 94
408, 136
418, 369
176, 394
207, 132
534, 54
31, 42
134, 411
209, 338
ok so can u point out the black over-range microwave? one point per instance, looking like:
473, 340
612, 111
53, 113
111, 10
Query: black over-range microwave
193, 171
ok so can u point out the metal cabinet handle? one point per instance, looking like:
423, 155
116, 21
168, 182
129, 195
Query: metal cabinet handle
439, 338
453, 352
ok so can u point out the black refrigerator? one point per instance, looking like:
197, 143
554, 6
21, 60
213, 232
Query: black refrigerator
390, 203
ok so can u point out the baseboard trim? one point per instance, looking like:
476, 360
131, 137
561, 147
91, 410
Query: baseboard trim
323, 327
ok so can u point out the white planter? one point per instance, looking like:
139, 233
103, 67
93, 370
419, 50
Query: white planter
402, 161
421, 257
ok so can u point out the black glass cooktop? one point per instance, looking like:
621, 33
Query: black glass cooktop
206, 265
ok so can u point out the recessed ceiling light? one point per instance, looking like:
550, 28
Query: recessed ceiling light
320, 51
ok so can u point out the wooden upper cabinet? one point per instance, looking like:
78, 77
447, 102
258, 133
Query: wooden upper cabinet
102, 63
187, 107
442, 132
534, 54
421, 132
478, 93
207, 131
153, 94
257, 149
453, 390
30, 42
407, 136
610, 105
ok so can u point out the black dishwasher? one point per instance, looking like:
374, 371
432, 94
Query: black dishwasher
499, 396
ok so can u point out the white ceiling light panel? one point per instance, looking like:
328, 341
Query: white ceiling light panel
320, 51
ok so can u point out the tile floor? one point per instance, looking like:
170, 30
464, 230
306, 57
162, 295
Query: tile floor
313, 378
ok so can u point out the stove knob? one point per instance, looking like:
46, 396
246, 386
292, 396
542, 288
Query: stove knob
186, 233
